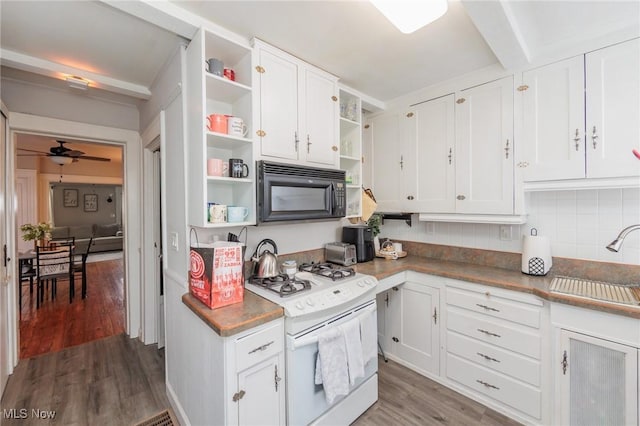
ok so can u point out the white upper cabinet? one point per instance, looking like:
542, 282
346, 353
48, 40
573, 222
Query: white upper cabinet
484, 149
576, 127
388, 160
298, 109
613, 110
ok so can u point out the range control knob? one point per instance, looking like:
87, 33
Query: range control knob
360, 283
310, 302
300, 306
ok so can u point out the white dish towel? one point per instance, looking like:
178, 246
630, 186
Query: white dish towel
351, 332
369, 333
331, 365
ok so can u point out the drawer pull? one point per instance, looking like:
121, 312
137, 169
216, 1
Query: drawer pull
488, 308
261, 348
488, 333
487, 357
487, 385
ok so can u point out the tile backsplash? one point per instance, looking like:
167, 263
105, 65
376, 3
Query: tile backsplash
579, 224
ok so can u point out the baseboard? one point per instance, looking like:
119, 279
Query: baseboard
177, 407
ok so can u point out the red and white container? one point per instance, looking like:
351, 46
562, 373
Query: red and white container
216, 275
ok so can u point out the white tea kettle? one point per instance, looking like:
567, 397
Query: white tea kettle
266, 264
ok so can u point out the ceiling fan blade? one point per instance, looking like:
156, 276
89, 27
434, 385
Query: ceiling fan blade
33, 155
33, 150
88, 157
73, 153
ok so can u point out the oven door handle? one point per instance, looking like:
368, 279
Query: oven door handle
313, 338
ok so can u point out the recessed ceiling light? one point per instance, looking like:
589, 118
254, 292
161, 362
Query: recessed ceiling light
410, 15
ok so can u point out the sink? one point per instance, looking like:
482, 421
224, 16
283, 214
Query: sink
616, 293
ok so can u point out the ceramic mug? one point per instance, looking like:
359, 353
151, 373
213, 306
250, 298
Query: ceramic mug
217, 123
215, 66
236, 126
237, 168
215, 167
218, 213
237, 213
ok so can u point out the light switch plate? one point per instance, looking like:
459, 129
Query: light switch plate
506, 232
173, 238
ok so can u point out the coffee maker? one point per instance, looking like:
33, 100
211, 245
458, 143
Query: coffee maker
362, 237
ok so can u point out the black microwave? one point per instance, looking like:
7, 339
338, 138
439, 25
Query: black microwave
289, 192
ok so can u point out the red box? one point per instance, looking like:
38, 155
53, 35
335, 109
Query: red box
216, 275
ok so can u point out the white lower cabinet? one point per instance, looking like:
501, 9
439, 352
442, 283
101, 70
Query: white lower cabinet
595, 368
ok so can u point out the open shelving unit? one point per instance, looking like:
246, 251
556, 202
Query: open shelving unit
351, 149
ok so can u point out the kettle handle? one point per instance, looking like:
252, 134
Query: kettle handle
267, 241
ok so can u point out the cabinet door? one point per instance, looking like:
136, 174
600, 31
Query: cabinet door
278, 107
553, 121
613, 110
320, 119
388, 161
430, 150
484, 148
414, 311
263, 400
598, 381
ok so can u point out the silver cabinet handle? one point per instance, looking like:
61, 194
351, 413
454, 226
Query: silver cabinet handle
435, 316
488, 308
261, 348
488, 333
296, 140
308, 144
401, 162
450, 155
487, 385
487, 357
594, 137
564, 363
506, 150
577, 139
276, 378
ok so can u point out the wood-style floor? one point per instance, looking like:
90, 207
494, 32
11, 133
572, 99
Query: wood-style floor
59, 324
111, 381
407, 398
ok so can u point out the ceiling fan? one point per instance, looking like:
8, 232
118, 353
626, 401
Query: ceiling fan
62, 155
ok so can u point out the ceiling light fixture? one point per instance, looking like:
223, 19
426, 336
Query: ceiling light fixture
58, 159
76, 82
410, 15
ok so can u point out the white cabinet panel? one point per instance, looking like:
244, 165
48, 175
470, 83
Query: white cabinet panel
388, 160
320, 119
263, 388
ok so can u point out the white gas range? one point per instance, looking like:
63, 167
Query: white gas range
320, 297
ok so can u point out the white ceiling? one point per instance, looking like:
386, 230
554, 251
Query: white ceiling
114, 44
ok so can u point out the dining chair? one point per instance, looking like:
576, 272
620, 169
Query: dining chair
27, 273
62, 241
52, 264
80, 265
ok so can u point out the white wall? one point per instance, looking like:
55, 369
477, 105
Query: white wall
63, 104
579, 224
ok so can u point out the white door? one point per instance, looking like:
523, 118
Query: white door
598, 381
278, 107
4, 265
27, 204
388, 160
553, 121
430, 147
157, 245
484, 148
319, 107
415, 338
263, 392
613, 110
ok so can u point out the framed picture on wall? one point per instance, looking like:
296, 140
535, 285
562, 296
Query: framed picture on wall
70, 197
90, 202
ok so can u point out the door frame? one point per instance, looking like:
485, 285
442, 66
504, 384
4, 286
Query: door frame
151, 141
132, 206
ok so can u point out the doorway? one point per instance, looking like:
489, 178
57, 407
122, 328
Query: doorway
94, 180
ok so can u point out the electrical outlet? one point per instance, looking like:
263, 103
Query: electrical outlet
174, 240
506, 232
431, 228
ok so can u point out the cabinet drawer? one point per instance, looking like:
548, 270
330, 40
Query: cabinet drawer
498, 307
258, 346
513, 393
503, 334
490, 356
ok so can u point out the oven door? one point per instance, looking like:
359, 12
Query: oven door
305, 400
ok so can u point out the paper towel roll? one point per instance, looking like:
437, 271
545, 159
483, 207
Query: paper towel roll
536, 255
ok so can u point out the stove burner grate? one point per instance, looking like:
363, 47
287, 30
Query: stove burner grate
328, 270
282, 284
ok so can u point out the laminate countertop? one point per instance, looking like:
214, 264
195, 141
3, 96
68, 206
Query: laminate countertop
232, 319
492, 276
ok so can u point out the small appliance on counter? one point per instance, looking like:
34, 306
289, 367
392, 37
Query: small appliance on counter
536, 254
362, 237
341, 253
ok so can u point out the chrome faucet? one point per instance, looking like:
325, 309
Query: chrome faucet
615, 244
